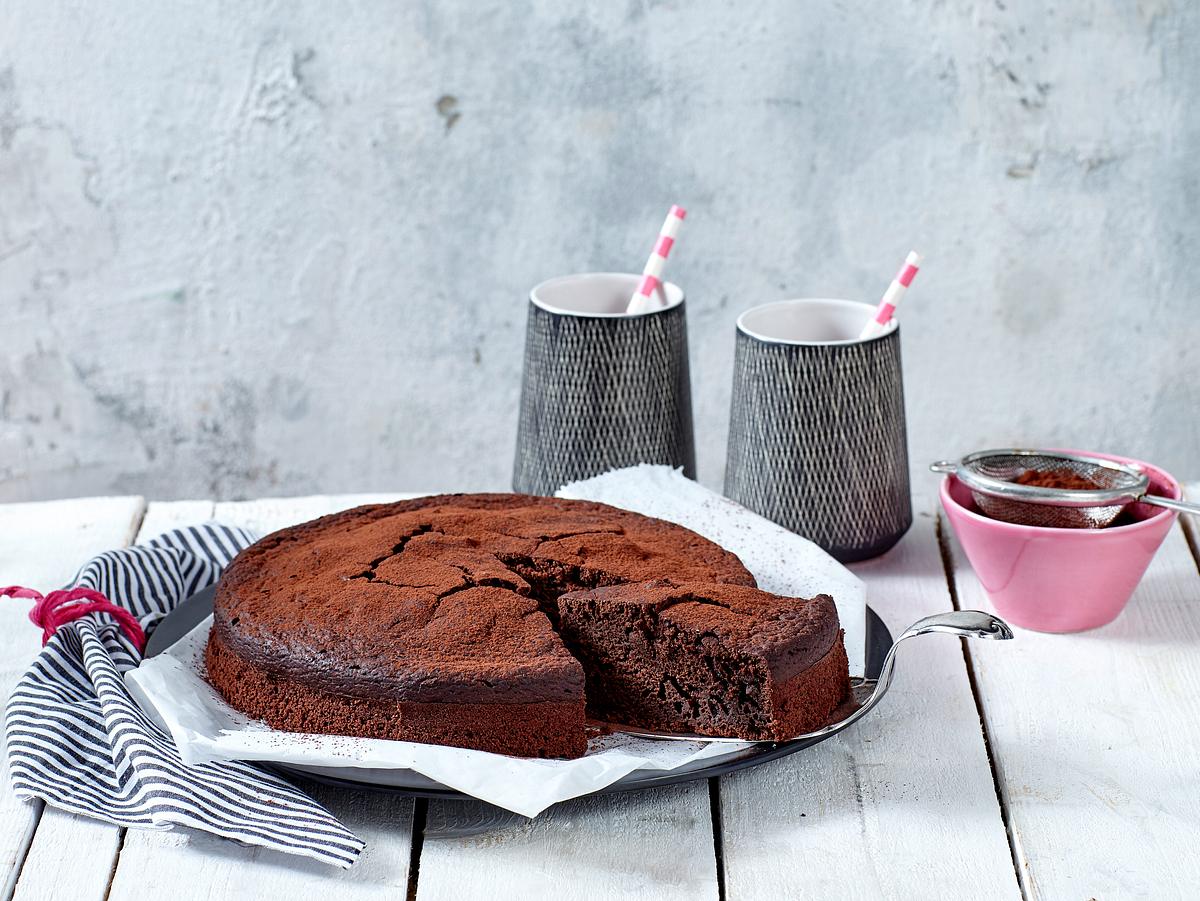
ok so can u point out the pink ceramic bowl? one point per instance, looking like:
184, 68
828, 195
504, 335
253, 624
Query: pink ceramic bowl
1060, 580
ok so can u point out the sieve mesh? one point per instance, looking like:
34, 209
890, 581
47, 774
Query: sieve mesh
992, 477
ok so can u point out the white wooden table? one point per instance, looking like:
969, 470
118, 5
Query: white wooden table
1046, 767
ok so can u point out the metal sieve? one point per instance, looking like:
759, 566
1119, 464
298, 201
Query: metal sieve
991, 476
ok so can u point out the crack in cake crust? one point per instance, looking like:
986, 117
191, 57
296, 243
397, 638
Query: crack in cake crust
370, 572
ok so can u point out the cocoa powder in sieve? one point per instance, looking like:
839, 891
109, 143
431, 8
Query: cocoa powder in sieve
1064, 478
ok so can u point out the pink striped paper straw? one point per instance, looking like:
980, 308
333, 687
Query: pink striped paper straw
891, 297
647, 295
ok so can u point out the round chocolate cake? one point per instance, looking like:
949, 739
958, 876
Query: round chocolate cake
437, 620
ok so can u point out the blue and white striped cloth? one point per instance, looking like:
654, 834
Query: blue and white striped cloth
77, 739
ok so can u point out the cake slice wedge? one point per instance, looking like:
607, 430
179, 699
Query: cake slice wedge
707, 658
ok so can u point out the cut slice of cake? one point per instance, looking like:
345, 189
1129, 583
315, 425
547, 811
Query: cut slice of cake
707, 658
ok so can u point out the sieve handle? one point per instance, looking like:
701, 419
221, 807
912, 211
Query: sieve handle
944, 466
1171, 504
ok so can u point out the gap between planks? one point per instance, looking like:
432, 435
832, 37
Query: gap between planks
1103, 736
112, 873
947, 554
420, 817
714, 812
1190, 534
903, 805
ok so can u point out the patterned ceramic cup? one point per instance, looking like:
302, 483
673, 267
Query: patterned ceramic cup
601, 390
817, 437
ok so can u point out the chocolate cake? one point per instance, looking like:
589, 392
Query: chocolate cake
432, 620
717, 659
437, 620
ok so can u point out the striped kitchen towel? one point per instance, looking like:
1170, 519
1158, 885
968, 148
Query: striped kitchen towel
77, 739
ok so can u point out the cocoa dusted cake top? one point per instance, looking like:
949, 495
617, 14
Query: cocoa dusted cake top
444, 598
790, 633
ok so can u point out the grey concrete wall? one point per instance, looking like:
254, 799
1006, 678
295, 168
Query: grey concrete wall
253, 249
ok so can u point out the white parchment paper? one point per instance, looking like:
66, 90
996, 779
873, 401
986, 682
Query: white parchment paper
172, 689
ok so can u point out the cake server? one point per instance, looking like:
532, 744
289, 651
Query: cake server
866, 692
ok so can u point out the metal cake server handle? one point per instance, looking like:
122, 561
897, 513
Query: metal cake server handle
963, 623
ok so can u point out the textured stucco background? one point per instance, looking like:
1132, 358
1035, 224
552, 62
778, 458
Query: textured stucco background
252, 249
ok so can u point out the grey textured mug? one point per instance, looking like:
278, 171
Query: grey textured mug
817, 438
601, 389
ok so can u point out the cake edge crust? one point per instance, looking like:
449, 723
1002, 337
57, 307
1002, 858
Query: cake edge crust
554, 728
806, 701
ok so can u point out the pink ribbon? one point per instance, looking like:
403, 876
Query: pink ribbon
64, 606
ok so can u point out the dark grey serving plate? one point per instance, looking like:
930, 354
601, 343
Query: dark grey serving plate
193, 611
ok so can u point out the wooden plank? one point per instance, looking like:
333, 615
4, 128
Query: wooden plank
162, 516
1094, 738
60, 834
157, 864
41, 546
902, 805
70, 857
269, 514
652, 844
188, 864
273, 513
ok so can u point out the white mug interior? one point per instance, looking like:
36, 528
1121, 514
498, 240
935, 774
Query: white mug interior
596, 294
816, 320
